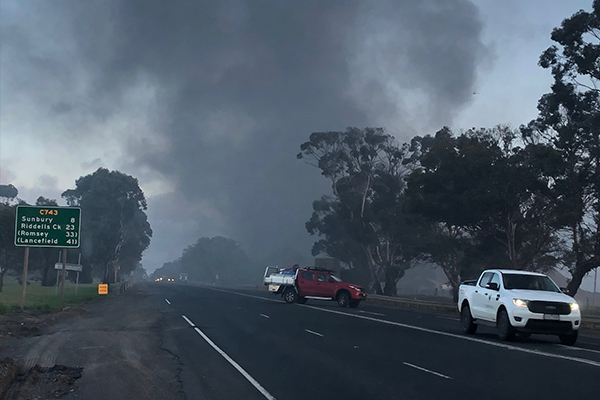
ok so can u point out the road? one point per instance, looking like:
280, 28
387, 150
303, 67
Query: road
244, 344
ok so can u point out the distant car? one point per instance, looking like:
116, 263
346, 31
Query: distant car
164, 279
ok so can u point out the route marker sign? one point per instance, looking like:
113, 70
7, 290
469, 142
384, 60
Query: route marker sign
48, 226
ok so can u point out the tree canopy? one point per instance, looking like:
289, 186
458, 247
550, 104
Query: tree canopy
114, 226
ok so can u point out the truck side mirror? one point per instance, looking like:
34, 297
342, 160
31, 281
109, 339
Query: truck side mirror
492, 286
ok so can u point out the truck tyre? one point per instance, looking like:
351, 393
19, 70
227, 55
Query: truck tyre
354, 303
506, 332
466, 319
301, 300
290, 296
569, 339
343, 299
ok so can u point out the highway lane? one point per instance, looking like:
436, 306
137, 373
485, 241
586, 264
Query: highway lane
320, 351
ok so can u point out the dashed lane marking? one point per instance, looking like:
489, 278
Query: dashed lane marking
427, 370
264, 315
418, 328
371, 313
313, 332
168, 302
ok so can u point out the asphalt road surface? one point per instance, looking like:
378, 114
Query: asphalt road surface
244, 344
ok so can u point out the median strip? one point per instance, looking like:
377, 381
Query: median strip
246, 375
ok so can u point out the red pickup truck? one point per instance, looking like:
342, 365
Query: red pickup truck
301, 284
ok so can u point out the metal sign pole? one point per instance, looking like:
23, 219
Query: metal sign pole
62, 282
595, 281
57, 274
77, 281
26, 261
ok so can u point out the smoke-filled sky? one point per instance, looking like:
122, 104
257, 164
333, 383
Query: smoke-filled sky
207, 102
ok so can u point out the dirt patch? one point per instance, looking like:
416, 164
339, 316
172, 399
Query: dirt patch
27, 324
36, 383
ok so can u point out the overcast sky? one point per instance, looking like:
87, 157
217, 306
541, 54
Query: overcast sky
207, 102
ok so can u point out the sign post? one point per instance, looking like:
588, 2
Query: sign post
25, 263
47, 226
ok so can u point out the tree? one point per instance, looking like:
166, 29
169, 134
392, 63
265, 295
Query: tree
484, 204
217, 260
569, 121
11, 256
44, 258
114, 226
366, 169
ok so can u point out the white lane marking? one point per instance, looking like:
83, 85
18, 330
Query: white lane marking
263, 315
372, 313
188, 321
168, 302
579, 348
418, 328
427, 370
246, 375
471, 339
313, 332
450, 318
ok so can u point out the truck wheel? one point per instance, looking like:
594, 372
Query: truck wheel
506, 332
569, 339
466, 319
343, 299
290, 296
354, 303
301, 300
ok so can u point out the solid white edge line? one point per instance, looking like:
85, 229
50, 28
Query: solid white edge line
427, 370
313, 332
168, 302
264, 315
418, 328
578, 348
246, 375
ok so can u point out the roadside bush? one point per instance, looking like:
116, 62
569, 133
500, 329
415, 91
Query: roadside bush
3, 309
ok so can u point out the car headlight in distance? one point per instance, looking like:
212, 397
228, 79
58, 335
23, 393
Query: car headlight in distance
574, 306
520, 303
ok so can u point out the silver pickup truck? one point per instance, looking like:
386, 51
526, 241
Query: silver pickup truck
518, 303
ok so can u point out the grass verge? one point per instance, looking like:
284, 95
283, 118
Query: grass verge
44, 298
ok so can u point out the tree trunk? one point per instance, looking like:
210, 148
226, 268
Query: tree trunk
577, 274
390, 282
2, 279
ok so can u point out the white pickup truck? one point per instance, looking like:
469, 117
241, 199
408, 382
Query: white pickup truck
518, 303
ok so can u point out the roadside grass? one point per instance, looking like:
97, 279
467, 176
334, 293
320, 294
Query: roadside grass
44, 299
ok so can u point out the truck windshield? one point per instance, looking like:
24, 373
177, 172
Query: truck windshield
529, 282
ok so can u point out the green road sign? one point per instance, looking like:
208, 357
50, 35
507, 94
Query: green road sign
48, 226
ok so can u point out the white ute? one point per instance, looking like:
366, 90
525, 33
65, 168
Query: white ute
518, 303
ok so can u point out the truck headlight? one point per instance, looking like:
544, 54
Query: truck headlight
520, 303
574, 306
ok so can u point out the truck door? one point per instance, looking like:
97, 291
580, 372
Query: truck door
306, 283
492, 297
325, 285
480, 296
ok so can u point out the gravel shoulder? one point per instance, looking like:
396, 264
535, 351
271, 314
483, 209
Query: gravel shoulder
111, 349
